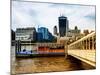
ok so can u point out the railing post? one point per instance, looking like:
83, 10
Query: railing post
83, 44
66, 50
86, 44
92, 42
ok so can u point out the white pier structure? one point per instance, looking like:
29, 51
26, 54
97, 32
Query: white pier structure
84, 49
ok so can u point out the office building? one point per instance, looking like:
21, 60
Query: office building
43, 35
73, 32
55, 30
63, 26
25, 33
86, 32
44, 32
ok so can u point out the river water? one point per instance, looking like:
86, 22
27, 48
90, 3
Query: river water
47, 64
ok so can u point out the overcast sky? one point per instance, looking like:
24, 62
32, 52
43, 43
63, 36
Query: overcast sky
32, 14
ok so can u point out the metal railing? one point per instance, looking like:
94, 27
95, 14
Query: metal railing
86, 43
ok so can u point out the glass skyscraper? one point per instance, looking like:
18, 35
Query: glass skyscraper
63, 26
44, 32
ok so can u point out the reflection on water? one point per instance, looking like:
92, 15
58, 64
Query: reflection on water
49, 64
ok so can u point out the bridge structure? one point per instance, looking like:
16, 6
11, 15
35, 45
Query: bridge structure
84, 49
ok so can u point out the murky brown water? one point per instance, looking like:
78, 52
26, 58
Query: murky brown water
49, 64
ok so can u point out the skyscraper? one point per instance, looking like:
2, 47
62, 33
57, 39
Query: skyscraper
44, 32
63, 26
44, 35
55, 30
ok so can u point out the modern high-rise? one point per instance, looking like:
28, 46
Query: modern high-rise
63, 26
55, 30
43, 35
44, 32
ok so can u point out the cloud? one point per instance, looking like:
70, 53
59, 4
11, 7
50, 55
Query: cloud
26, 14
90, 16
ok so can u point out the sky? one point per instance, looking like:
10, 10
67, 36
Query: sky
35, 14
